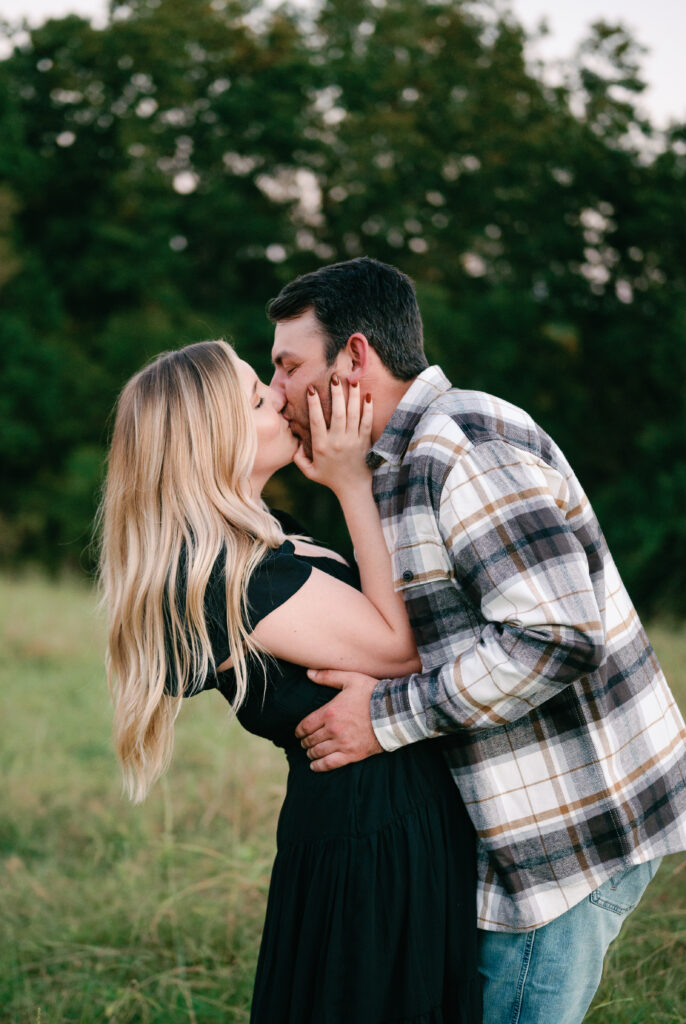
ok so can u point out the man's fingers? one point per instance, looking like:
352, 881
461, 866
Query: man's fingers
313, 738
310, 724
327, 764
322, 749
327, 677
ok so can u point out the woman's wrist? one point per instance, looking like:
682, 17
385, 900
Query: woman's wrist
349, 492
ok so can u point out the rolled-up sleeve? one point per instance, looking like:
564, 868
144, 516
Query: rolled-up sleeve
524, 561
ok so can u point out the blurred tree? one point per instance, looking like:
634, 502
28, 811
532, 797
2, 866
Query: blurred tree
160, 178
543, 226
148, 197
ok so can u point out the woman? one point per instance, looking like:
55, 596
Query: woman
371, 915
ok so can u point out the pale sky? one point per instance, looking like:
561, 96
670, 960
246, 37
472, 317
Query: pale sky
659, 24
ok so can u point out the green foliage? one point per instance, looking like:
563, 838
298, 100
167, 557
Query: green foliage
162, 177
152, 914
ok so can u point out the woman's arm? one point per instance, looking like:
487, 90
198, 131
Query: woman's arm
327, 623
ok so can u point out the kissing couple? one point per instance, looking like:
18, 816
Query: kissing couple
486, 764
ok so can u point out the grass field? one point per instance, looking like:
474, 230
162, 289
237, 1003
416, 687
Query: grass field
110, 913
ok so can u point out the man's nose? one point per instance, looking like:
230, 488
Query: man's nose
276, 397
277, 383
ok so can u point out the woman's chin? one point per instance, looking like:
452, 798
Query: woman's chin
286, 454
287, 459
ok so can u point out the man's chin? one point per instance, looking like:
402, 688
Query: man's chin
306, 441
302, 437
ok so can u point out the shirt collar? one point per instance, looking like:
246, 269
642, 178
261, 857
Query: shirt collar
392, 444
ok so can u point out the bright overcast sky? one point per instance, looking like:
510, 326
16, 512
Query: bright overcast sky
660, 25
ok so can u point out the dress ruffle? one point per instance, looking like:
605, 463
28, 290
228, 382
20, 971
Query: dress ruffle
377, 927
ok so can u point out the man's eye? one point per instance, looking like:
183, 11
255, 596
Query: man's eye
291, 371
259, 403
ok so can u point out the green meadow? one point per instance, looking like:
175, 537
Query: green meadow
151, 914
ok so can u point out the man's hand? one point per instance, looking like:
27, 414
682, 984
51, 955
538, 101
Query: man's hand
341, 731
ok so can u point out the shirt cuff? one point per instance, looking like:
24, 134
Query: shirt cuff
392, 726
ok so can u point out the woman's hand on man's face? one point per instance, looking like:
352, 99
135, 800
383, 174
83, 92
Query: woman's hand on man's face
339, 451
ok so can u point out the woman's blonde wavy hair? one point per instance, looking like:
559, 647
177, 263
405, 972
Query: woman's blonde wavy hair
177, 493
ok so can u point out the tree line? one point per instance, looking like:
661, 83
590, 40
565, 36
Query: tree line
161, 177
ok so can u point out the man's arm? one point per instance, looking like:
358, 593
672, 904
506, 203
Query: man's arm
516, 549
524, 560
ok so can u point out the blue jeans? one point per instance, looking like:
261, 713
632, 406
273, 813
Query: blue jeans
550, 975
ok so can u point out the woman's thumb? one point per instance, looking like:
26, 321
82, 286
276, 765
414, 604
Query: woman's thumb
305, 465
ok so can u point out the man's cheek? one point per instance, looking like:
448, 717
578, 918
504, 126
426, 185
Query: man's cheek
296, 399
303, 412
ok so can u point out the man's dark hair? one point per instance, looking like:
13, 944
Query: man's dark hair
361, 295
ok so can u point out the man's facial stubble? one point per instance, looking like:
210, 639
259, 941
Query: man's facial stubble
301, 417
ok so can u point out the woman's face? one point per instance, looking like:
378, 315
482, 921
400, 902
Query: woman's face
276, 446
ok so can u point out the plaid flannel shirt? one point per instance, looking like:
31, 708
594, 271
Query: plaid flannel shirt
566, 743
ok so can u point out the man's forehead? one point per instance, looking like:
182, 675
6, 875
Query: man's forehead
299, 338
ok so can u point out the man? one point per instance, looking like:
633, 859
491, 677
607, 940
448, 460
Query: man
567, 746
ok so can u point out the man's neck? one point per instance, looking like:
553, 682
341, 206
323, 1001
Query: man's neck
387, 393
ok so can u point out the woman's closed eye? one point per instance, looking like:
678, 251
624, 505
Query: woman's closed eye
259, 394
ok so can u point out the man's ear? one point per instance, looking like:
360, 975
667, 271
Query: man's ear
357, 350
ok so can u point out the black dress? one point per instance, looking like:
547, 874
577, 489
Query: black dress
371, 916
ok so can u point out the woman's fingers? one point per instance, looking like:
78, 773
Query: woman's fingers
338, 416
338, 452
366, 420
305, 465
318, 429
354, 408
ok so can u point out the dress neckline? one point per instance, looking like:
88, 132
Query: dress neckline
315, 558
